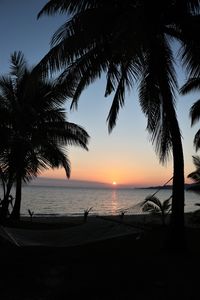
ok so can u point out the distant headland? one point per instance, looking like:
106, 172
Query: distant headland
188, 187
53, 182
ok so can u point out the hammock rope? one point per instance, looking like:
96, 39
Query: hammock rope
137, 207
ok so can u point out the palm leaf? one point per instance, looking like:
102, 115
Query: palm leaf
195, 176
151, 207
195, 112
196, 161
166, 206
18, 64
124, 80
157, 89
153, 200
65, 6
197, 140
191, 85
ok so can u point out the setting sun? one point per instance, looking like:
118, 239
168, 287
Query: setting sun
114, 183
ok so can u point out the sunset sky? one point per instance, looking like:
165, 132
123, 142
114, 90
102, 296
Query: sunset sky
126, 156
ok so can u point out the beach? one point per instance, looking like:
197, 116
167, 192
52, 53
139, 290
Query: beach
122, 263
68, 231
65, 231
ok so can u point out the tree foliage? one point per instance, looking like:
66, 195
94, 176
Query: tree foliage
35, 134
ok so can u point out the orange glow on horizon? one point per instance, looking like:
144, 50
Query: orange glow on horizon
131, 174
123, 177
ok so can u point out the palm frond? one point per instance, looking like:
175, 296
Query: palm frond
196, 141
65, 6
113, 77
7, 89
194, 6
166, 206
73, 42
196, 161
195, 112
18, 64
151, 207
193, 84
154, 200
123, 80
75, 135
53, 156
84, 72
156, 94
195, 176
189, 51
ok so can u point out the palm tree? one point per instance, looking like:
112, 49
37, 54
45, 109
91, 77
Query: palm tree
34, 131
195, 175
153, 205
7, 183
131, 42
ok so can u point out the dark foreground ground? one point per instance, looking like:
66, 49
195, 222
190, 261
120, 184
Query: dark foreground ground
119, 268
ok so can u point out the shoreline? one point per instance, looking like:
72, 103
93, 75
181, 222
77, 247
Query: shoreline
67, 231
67, 217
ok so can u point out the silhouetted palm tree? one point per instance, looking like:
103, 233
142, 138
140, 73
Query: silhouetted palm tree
131, 42
33, 128
153, 205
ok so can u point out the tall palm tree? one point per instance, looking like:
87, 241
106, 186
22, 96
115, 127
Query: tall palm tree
33, 128
131, 42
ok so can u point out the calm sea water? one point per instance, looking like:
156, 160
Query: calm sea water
73, 201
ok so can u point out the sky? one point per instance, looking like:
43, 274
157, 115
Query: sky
126, 156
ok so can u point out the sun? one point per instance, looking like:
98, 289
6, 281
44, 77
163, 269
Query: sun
114, 183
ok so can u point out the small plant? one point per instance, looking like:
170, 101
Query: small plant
86, 213
153, 205
10, 200
122, 214
31, 213
10, 203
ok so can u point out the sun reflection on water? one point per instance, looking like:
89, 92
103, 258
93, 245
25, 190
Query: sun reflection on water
114, 203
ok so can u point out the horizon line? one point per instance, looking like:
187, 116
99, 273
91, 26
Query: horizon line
90, 183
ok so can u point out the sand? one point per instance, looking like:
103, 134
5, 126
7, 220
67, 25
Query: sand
67, 231
74, 231
106, 260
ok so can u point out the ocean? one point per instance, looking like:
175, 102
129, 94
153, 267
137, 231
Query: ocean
73, 201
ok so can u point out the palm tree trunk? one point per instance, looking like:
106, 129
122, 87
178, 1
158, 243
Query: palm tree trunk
163, 217
177, 228
5, 202
178, 192
15, 215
